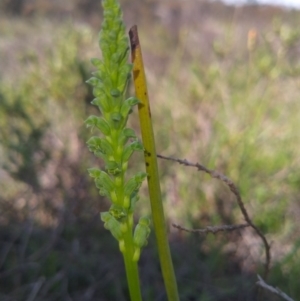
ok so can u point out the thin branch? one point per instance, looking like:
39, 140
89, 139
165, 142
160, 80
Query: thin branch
235, 191
36, 288
212, 229
272, 289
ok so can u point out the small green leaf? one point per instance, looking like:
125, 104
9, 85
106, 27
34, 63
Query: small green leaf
129, 133
103, 126
141, 232
134, 184
115, 93
120, 56
99, 146
132, 101
105, 184
102, 103
94, 144
116, 117
140, 237
106, 147
141, 176
111, 224
124, 75
129, 149
95, 102
136, 254
97, 62
117, 211
93, 81
98, 122
99, 90
127, 154
94, 172
122, 245
113, 35
126, 134
131, 186
99, 74
113, 168
127, 106
134, 198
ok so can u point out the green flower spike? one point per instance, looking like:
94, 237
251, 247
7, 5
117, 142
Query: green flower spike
116, 142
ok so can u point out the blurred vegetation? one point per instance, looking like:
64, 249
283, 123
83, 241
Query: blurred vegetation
224, 92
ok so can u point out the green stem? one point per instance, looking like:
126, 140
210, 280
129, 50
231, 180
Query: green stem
158, 217
131, 266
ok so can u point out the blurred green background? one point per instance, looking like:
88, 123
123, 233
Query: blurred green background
224, 84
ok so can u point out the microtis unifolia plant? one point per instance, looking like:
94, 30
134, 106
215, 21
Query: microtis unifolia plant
116, 143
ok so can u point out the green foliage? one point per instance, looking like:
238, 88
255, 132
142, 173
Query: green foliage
141, 233
286, 272
32, 105
21, 141
254, 127
243, 123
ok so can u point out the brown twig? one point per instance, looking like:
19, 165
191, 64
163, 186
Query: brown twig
274, 290
235, 191
212, 229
